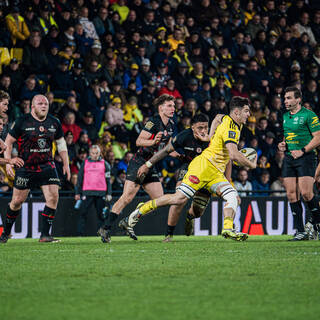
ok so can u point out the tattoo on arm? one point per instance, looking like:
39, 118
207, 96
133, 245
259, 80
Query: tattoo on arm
162, 153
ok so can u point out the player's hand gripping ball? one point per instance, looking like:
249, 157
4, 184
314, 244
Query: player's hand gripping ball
249, 153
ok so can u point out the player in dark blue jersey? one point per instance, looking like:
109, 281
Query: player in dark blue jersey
35, 134
153, 137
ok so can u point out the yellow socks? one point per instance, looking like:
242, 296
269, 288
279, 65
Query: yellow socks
228, 223
148, 207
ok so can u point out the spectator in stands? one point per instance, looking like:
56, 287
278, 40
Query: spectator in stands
87, 124
243, 184
46, 20
61, 82
17, 27
29, 89
34, 58
277, 185
88, 26
123, 164
78, 160
119, 181
83, 142
170, 89
133, 74
68, 124
70, 145
93, 100
262, 184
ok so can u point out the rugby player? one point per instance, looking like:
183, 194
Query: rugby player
35, 133
301, 129
188, 144
206, 171
154, 136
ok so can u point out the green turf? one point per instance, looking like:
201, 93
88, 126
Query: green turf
190, 278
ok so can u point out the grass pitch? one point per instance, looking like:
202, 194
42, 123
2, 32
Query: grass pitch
191, 278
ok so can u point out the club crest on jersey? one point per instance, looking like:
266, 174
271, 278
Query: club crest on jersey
41, 128
199, 150
194, 179
165, 133
42, 143
232, 134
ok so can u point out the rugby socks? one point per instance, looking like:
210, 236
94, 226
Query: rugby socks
10, 220
170, 230
148, 207
296, 209
47, 216
112, 217
314, 208
228, 223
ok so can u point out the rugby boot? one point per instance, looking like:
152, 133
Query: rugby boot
49, 239
105, 235
168, 238
300, 236
124, 225
188, 226
234, 235
311, 231
4, 238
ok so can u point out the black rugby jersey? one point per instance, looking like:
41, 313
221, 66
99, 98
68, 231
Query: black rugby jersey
35, 139
153, 126
186, 144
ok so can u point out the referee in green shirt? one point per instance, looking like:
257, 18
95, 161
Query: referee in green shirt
301, 136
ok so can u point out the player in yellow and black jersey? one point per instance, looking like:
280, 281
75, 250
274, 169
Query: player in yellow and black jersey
207, 171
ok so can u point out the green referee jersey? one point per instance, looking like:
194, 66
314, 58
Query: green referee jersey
298, 128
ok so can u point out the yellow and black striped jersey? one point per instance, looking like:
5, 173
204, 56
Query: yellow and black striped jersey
227, 132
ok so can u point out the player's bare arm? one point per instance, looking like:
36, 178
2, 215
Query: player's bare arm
144, 139
143, 170
235, 155
7, 154
314, 143
3, 146
63, 152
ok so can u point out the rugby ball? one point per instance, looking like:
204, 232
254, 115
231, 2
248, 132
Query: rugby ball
249, 153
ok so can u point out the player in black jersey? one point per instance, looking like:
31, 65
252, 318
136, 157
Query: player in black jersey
35, 133
154, 136
188, 144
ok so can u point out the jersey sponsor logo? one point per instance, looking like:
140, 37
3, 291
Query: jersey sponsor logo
189, 148
149, 125
232, 134
194, 179
42, 143
54, 179
29, 129
291, 136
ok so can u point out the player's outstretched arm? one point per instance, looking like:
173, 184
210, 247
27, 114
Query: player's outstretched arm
63, 152
235, 155
143, 170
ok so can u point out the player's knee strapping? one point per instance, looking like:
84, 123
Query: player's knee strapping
228, 194
200, 202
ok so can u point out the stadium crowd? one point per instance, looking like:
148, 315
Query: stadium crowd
102, 63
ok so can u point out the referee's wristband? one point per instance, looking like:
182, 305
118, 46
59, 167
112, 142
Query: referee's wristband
303, 150
149, 164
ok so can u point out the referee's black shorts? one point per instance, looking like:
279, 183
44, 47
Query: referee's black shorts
305, 166
133, 167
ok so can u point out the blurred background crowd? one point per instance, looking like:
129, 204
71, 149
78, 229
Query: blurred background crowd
102, 63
